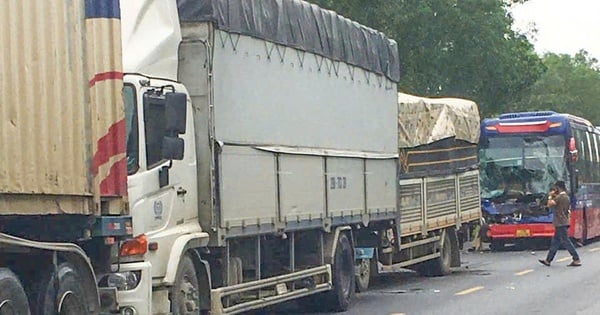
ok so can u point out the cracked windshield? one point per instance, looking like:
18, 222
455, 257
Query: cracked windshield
521, 165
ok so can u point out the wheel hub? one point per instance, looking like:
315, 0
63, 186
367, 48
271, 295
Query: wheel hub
6, 308
70, 304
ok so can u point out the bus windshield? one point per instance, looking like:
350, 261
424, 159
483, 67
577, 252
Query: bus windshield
528, 164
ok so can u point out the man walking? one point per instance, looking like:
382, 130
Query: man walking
562, 205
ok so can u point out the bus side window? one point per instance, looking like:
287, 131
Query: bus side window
596, 158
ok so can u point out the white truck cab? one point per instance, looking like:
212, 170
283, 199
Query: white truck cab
162, 187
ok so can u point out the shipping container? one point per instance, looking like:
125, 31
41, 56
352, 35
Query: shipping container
61, 115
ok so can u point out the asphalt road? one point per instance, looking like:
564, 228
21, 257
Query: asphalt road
506, 282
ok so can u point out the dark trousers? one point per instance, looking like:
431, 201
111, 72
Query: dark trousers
561, 236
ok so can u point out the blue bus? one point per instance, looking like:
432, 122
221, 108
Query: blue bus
520, 156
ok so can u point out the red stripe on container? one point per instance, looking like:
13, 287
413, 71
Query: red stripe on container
115, 184
112, 75
109, 145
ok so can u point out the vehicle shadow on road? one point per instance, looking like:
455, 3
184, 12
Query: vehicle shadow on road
518, 245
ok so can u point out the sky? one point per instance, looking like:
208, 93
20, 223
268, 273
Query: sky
564, 26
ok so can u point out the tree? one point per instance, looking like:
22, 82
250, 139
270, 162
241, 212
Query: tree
570, 85
462, 48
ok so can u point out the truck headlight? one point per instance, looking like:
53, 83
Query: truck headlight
124, 281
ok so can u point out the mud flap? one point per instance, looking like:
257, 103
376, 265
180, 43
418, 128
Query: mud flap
455, 253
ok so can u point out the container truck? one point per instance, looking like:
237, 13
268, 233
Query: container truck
185, 157
63, 170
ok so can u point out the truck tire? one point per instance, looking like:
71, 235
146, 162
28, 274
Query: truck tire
363, 274
343, 275
13, 300
185, 292
71, 296
440, 266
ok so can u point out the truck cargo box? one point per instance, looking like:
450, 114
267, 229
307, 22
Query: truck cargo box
62, 124
304, 127
437, 172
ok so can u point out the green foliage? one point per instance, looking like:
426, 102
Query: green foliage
570, 85
462, 48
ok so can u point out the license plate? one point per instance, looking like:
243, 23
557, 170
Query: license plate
523, 233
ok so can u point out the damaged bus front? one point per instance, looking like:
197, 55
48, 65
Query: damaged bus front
521, 155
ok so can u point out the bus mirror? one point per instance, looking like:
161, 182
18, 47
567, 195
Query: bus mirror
573, 156
573, 150
175, 112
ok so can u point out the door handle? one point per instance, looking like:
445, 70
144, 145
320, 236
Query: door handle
181, 191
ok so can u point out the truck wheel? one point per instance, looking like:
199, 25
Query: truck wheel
13, 300
70, 298
184, 295
363, 274
343, 275
440, 266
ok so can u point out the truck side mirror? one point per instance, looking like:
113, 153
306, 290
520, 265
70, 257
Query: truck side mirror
172, 148
175, 113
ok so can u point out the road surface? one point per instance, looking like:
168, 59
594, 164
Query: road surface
506, 282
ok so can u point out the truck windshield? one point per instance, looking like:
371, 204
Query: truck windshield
131, 123
527, 164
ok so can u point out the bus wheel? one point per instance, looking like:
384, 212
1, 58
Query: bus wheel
70, 299
184, 295
363, 274
13, 300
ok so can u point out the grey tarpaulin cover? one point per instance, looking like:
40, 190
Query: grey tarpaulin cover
301, 25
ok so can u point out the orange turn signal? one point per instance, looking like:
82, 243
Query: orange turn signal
135, 246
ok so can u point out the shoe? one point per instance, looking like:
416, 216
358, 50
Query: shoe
544, 262
574, 264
